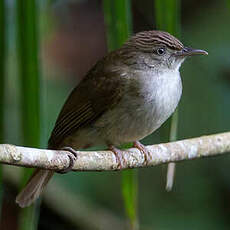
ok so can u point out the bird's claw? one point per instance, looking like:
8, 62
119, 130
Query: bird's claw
72, 154
119, 157
143, 150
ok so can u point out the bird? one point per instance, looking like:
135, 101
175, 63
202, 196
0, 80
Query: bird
126, 96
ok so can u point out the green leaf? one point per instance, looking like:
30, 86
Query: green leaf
228, 4
130, 195
118, 22
168, 16
2, 80
28, 71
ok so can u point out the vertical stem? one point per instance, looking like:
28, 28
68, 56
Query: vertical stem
119, 26
130, 196
118, 22
27, 47
2, 66
172, 137
168, 18
228, 4
28, 72
2, 80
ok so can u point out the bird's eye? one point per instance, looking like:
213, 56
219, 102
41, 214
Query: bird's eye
160, 51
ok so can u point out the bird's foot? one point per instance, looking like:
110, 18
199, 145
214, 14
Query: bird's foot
143, 150
72, 154
119, 156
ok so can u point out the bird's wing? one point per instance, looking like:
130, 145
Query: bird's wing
101, 89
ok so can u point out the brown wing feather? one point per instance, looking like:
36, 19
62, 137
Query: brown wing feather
98, 91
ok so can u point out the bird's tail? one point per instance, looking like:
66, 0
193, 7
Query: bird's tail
34, 187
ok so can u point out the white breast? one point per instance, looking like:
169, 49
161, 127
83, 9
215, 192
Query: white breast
138, 115
168, 89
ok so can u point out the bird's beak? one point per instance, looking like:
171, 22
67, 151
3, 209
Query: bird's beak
186, 51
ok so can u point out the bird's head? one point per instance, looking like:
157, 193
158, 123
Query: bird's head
158, 50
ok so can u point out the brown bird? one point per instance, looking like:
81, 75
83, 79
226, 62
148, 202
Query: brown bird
126, 96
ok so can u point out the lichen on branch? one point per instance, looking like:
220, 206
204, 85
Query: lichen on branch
188, 149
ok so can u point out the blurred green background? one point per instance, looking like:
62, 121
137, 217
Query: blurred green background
47, 48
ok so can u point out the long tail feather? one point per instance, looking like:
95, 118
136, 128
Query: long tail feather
34, 187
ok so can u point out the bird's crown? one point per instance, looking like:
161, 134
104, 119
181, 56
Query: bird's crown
147, 39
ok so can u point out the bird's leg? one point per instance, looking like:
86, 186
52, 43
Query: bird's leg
143, 149
72, 154
119, 156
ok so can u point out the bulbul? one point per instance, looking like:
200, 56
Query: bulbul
126, 96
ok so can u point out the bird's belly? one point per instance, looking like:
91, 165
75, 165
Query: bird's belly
138, 116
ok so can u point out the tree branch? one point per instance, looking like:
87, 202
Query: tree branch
205, 146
